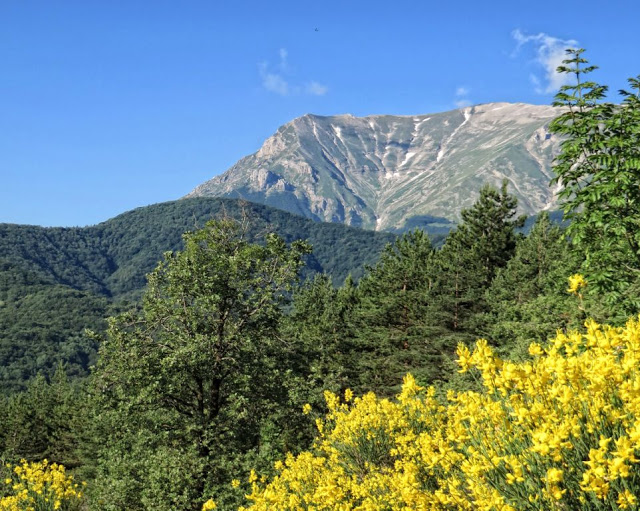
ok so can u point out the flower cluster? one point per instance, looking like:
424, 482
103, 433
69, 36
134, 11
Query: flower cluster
39, 487
576, 283
559, 431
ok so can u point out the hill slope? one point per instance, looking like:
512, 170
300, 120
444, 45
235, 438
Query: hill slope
392, 173
55, 282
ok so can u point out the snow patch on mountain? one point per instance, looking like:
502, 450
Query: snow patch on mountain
379, 171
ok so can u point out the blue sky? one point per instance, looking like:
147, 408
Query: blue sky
107, 105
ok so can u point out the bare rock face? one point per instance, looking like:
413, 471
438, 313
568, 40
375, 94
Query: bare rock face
390, 173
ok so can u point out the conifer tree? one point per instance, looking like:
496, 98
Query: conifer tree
46, 420
528, 299
471, 255
321, 328
395, 327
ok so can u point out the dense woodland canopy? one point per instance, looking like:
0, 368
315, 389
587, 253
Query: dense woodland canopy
202, 383
57, 282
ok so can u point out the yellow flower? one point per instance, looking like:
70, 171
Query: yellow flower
40, 486
554, 475
208, 505
464, 358
306, 409
525, 433
626, 499
576, 282
535, 349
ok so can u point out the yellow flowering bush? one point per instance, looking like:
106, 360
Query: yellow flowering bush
559, 431
39, 486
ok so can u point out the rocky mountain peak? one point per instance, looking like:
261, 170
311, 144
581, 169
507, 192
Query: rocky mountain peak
393, 172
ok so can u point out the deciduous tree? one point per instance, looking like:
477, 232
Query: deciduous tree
599, 169
189, 383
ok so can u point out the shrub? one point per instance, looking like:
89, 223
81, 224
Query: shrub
558, 431
39, 486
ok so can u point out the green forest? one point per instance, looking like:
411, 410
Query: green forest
185, 390
57, 282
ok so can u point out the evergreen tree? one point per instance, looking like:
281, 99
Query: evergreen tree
46, 420
528, 299
471, 256
395, 327
321, 328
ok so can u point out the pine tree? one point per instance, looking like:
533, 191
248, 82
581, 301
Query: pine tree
395, 328
528, 299
321, 328
471, 256
46, 420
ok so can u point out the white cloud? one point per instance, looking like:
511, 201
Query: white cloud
550, 52
275, 79
462, 94
316, 89
273, 82
283, 58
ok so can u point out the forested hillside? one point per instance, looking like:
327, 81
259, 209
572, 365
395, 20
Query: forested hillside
209, 374
56, 282
112, 258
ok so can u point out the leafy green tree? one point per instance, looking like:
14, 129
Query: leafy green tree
599, 169
188, 385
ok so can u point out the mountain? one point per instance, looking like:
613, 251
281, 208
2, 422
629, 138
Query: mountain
393, 173
55, 282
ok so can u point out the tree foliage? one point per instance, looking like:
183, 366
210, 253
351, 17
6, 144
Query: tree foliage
57, 282
599, 169
321, 327
394, 317
191, 376
473, 253
528, 300
46, 421
42, 325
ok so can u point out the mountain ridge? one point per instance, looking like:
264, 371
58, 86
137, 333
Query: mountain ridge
386, 172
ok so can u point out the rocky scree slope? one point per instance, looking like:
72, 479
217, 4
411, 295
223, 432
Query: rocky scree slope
393, 173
